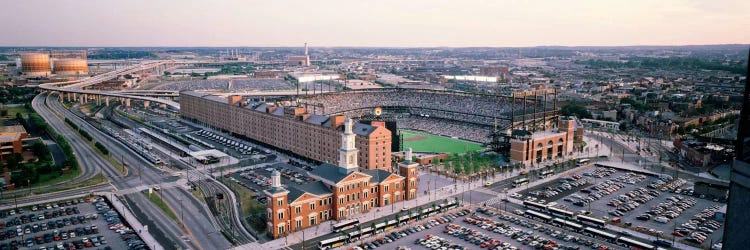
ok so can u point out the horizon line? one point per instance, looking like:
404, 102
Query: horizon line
356, 46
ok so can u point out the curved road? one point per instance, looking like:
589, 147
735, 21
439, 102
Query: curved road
200, 228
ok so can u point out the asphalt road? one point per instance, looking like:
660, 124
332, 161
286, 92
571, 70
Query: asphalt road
200, 229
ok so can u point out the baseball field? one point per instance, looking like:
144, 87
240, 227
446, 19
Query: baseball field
426, 142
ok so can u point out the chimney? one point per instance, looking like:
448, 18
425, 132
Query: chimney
234, 99
305, 48
337, 121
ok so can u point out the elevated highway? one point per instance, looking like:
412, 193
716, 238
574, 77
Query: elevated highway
76, 87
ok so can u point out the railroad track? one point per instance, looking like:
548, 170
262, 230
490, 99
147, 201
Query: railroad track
224, 210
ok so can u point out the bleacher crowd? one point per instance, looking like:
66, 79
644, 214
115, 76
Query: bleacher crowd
225, 84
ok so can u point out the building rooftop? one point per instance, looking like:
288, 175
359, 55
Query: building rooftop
12, 129
274, 190
363, 129
543, 134
315, 188
8, 137
279, 111
378, 175
317, 119
330, 172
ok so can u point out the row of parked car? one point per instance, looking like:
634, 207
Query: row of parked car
630, 178
666, 183
700, 226
52, 224
477, 238
50, 206
595, 193
29, 218
238, 146
565, 184
436, 242
295, 176
530, 237
394, 236
114, 223
83, 242
600, 172
258, 179
671, 208
631, 200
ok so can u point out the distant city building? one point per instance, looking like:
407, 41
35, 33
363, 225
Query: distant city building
341, 191
738, 214
694, 152
292, 129
299, 60
498, 71
599, 124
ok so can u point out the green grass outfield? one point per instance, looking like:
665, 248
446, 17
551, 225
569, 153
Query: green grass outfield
426, 142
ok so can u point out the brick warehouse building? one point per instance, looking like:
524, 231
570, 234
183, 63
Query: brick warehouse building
341, 191
289, 128
535, 147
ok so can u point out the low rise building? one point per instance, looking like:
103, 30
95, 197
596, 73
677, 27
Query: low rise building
12, 140
341, 192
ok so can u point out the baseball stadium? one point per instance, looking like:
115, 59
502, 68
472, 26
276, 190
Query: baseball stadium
439, 120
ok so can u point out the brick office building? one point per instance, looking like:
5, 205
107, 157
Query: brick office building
289, 128
341, 191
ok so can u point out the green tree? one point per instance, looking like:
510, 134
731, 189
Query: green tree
573, 109
40, 150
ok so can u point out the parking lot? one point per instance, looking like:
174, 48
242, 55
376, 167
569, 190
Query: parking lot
233, 146
258, 179
557, 189
658, 205
478, 229
73, 224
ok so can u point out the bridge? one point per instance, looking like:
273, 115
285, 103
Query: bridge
74, 90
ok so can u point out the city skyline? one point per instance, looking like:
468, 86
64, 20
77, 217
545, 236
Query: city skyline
381, 24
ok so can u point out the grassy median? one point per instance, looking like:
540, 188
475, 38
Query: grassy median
154, 197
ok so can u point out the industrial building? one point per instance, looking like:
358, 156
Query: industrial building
35, 64
62, 62
70, 62
299, 60
290, 128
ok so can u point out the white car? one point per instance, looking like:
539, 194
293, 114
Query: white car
661, 219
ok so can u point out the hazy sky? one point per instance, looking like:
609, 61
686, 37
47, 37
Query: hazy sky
406, 23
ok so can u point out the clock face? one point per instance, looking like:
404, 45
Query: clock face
377, 111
